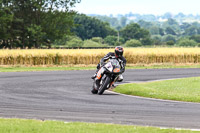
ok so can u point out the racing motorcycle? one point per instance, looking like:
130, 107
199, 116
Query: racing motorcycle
110, 73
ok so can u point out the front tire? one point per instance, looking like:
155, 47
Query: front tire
104, 85
94, 91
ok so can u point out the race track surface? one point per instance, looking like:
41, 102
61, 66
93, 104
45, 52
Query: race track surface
65, 95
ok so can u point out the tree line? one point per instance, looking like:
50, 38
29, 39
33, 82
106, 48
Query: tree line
169, 31
92, 32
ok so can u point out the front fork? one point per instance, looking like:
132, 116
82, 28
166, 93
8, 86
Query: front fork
100, 73
114, 80
98, 79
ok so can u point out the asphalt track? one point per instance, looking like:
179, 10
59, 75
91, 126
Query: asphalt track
65, 95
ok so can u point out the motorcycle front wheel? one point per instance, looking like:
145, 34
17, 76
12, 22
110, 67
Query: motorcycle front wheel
104, 86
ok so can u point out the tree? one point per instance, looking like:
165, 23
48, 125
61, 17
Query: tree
167, 38
171, 27
112, 40
157, 39
184, 26
110, 30
172, 22
58, 24
6, 18
36, 36
133, 31
154, 30
179, 15
147, 41
88, 27
144, 24
161, 32
192, 30
111, 20
167, 15
123, 21
195, 38
169, 30
37, 20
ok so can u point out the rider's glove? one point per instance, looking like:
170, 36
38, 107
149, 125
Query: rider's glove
98, 66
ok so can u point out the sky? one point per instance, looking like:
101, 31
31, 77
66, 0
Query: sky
156, 7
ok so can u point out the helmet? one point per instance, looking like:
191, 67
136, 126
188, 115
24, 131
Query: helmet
119, 51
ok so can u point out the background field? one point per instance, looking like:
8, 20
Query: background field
134, 56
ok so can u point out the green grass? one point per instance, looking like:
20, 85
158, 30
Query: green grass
161, 66
80, 67
186, 89
51, 68
36, 126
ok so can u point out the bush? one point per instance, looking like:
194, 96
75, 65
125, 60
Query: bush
171, 42
167, 38
90, 43
133, 43
65, 41
97, 39
118, 44
75, 42
186, 42
147, 41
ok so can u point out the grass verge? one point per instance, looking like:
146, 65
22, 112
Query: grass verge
43, 68
186, 89
90, 67
36, 126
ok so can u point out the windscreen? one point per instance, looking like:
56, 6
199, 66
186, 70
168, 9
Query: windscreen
115, 63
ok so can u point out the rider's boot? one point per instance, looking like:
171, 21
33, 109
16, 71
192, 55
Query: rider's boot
94, 76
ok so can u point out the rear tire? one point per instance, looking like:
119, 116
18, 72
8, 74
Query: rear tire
103, 87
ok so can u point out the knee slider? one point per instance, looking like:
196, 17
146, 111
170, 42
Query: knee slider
120, 78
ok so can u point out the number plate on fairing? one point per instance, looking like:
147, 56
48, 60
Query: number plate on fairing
109, 66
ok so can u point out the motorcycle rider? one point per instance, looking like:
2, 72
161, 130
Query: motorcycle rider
117, 54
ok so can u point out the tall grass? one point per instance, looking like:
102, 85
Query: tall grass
93, 56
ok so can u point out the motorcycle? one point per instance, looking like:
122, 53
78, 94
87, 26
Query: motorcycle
110, 74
